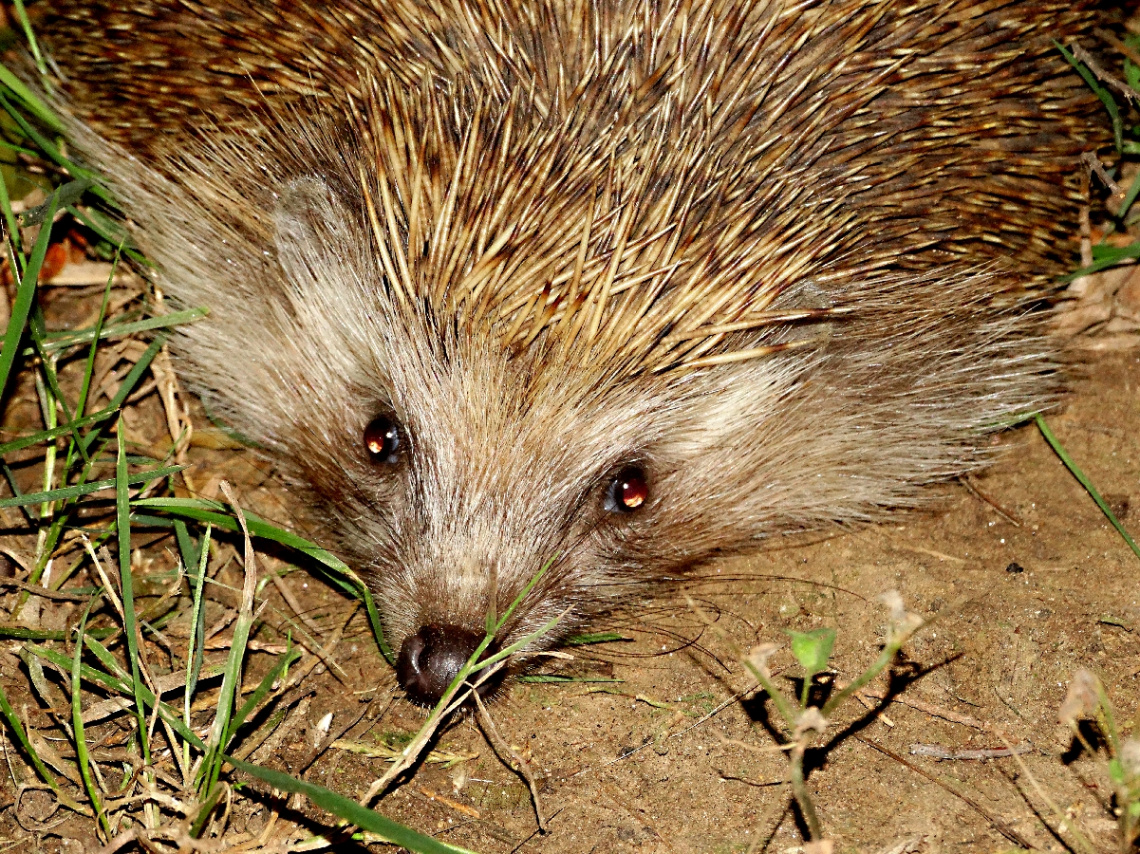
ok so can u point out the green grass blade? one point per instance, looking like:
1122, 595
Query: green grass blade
12, 238
231, 680
594, 637
33, 45
261, 691
126, 581
23, 633
1075, 470
216, 514
50, 149
54, 433
18, 149
1100, 91
350, 811
47, 365
119, 686
89, 366
196, 557
88, 488
29, 100
25, 295
111, 230
347, 809
502, 621
1103, 258
30, 520
22, 739
1130, 197
136, 373
82, 757
107, 660
130, 381
62, 340
519, 644
205, 807
188, 551
96, 677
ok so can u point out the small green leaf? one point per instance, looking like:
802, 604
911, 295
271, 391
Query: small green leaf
812, 649
1116, 772
65, 195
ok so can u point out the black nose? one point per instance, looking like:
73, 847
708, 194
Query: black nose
430, 659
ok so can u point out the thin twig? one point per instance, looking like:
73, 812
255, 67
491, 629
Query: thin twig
516, 762
998, 825
1103, 76
937, 751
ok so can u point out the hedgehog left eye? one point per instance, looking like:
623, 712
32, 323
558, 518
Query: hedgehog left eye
382, 439
628, 490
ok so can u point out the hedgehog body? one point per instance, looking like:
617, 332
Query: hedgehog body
611, 284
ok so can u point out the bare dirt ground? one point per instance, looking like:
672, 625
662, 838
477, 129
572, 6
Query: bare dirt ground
662, 744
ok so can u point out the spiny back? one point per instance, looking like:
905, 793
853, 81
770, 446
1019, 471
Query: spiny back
634, 184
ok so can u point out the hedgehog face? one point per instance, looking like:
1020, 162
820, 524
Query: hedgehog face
476, 475
453, 470
452, 474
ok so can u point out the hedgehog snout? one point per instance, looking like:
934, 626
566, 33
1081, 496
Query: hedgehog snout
430, 659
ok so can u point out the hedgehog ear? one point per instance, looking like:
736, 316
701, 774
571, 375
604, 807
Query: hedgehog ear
313, 233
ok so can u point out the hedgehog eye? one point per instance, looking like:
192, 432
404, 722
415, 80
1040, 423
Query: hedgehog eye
382, 439
627, 491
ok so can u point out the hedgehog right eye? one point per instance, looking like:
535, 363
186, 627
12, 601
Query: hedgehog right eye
382, 439
627, 491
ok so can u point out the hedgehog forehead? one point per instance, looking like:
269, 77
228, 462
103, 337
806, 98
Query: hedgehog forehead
527, 414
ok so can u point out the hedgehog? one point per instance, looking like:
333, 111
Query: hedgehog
604, 288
